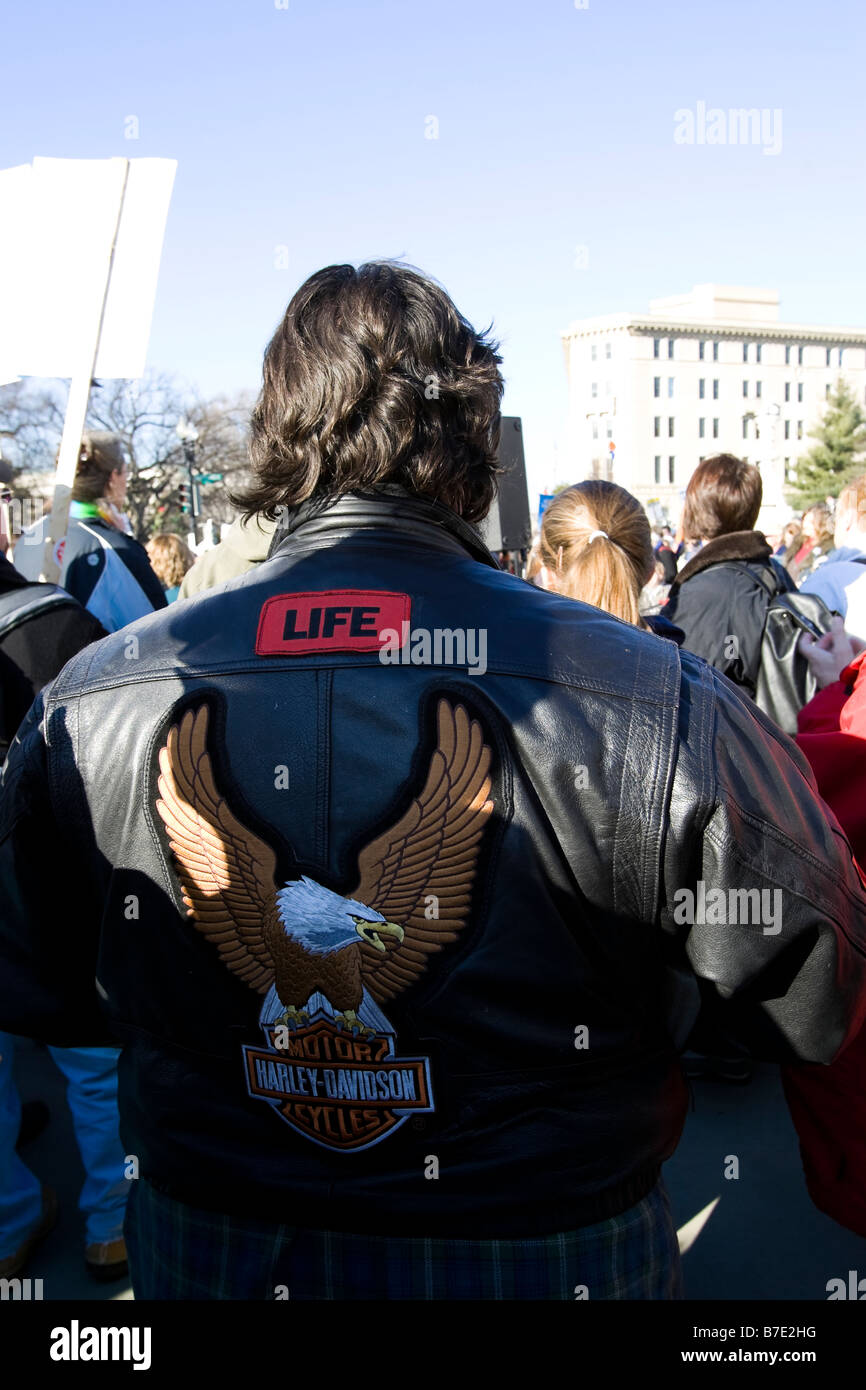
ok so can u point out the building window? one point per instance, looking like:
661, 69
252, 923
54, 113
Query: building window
787, 429
702, 387
758, 352
670, 427
657, 426
670, 468
610, 429
841, 355
596, 468
594, 390
715, 429
671, 342
799, 429
745, 426
702, 426
787, 354
701, 349
758, 389
827, 392
608, 468
595, 429
657, 347
829, 355
745, 352
608, 351
799, 390
670, 386
593, 353
787, 390
716, 389
658, 468
745, 388
657, 385
715, 352
800, 352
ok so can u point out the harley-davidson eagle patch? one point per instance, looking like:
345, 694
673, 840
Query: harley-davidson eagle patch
326, 962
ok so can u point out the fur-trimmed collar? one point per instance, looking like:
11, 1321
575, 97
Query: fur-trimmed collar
737, 545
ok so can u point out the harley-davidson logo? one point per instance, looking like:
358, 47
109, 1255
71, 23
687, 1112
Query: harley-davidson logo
341, 1091
326, 961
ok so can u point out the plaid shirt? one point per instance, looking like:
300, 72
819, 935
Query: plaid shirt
181, 1252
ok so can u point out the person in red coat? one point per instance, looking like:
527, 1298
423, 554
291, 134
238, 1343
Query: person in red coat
828, 1103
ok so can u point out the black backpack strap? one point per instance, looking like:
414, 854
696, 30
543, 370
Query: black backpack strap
759, 575
20, 605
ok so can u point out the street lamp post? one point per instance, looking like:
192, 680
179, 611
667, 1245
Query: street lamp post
188, 434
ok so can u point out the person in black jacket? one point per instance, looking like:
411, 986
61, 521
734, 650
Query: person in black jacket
396, 875
41, 628
718, 599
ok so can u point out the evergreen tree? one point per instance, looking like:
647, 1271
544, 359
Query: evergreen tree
838, 454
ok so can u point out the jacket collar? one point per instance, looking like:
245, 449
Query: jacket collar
737, 545
391, 509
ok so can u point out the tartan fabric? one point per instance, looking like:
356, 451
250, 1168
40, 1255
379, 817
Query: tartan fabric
181, 1252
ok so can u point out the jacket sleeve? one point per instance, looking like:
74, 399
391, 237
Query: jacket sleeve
49, 912
760, 884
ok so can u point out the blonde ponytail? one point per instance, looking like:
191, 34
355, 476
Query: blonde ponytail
595, 538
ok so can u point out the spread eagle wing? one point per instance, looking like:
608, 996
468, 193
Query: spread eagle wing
226, 872
432, 850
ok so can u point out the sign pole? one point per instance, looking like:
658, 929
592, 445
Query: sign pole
76, 415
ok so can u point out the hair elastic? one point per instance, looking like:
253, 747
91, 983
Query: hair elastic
597, 533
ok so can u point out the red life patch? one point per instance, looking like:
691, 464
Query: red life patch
334, 620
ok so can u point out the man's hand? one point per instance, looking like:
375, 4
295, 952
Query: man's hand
828, 655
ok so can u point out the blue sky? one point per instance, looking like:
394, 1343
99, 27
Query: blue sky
305, 127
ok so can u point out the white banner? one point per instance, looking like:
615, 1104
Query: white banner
57, 222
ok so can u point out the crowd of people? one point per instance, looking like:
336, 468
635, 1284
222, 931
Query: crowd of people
454, 897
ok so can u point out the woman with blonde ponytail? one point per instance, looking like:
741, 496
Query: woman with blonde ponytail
595, 545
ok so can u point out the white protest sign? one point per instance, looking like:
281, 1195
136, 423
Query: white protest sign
80, 246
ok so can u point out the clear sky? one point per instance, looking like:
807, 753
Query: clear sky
305, 128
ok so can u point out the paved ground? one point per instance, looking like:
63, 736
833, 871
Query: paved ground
763, 1238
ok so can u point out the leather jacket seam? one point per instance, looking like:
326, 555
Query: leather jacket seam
618, 846
661, 789
324, 692
765, 828
321, 663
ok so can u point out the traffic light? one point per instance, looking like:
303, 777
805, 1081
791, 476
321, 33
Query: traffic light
183, 498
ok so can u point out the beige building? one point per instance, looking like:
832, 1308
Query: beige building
713, 371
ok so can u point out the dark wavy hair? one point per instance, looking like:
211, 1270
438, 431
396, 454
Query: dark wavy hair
373, 378
724, 495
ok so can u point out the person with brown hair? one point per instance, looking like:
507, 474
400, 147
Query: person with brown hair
102, 564
171, 559
816, 542
595, 545
720, 597
409, 970
841, 579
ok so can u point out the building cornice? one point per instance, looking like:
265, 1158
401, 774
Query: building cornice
649, 325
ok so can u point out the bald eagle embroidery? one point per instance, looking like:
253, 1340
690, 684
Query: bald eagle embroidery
314, 954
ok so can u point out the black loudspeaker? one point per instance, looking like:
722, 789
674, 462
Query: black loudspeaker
507, 525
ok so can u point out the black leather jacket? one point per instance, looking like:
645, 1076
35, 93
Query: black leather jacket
403, 946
